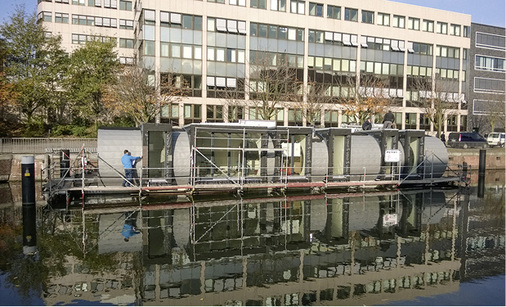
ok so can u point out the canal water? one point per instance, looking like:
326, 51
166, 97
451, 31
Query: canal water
411, 247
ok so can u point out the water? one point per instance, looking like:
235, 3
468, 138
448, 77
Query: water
430, 247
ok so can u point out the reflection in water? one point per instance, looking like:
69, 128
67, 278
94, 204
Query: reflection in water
343, 249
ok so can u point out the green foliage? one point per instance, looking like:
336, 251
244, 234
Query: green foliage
35, 128
34, 64
92, 68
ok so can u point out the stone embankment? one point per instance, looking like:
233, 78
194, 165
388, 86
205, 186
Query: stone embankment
10, 164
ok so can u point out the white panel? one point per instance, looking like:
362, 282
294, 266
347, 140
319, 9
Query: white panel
220, 81
329, 36
337, 37
175, 18
210, 81
232, 26
231, 82
242, 27
221, 25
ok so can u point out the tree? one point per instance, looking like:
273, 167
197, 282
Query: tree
371, 98
272, 82
33, 63
315, 98
138, 97
92, 69
437, 97
488, 113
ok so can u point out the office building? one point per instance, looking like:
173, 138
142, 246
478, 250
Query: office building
214, 48
487, 78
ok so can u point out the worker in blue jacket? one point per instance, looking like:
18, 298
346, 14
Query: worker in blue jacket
128, 162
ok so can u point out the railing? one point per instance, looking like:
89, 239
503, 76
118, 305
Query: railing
45, 145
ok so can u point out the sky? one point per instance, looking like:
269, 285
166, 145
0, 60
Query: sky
489, 12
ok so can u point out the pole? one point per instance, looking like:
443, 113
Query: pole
28, 202
481, 173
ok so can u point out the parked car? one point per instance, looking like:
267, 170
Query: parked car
496, 139
466, 140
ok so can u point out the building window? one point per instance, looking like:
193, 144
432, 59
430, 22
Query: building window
428, 25
414, 23
490, 63
333, 12
192, 113
126, 43
350, 14
297, 7
490, 41
467, 31
214, 113
61, 17
125, 5
489, 85
62, 1
46, 16
278, 5
78, 2
420, 48
126, 24
217, 1
238, 2
367, 16
315, 9
442, 28
398, 21
111, 4
259, 4
383, 19
455, 30
447, 52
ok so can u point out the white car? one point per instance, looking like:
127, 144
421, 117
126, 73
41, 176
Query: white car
496, 139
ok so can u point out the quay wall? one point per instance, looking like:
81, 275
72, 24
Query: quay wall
10, 164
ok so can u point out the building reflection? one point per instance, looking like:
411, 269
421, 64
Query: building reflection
345, 249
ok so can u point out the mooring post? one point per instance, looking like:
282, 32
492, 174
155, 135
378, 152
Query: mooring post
481, 173
28, 202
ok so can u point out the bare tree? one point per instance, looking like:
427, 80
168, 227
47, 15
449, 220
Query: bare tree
272, 83
138, 96
489, 113
315, 98
370, 98
437, 98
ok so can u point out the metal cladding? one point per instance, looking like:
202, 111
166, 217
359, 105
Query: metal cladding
111, 143
320, 160
365, 157
229, 152
436, 157
181, 156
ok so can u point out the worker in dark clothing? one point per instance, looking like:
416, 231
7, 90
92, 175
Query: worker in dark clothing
388, 120
367, 125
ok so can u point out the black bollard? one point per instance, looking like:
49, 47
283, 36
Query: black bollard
28, 202
64, 163
481, 173
483, 162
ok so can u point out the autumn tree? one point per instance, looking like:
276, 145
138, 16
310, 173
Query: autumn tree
370, 98
93, 68
33, 63
138, 96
